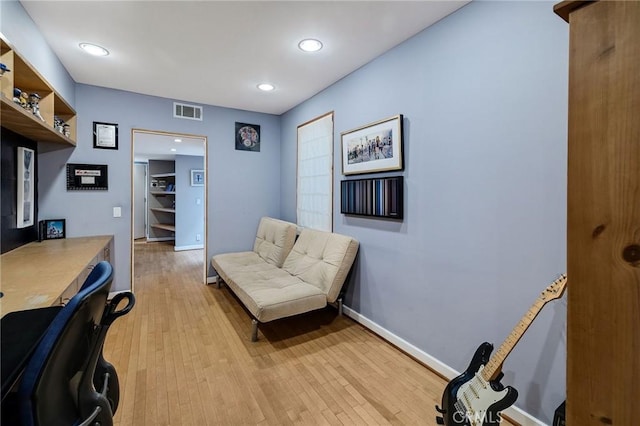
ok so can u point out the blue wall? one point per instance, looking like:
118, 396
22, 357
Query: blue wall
484, 98
189, 214
242, 186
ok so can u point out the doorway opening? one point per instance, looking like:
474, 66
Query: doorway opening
168, 192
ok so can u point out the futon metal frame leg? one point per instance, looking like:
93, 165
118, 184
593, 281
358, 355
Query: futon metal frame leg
218, 281
338, 305
254, 330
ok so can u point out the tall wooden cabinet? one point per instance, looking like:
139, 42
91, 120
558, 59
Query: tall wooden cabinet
603, 230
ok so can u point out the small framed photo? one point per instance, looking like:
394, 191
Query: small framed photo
197, 177
105, 135
375, 147
53, 229
247, 137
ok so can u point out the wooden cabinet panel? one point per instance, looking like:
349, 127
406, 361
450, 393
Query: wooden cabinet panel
603, 230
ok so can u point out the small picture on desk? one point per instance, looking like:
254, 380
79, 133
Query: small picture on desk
52, 229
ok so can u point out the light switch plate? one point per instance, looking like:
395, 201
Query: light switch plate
117, 212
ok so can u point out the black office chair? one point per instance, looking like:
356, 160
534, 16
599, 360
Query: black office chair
67, 380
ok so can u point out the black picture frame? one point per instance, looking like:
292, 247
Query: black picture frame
52, 229
247, 137
83, 177
374, 197
105, 135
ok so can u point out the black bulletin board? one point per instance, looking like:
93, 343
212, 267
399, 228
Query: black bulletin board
83, 177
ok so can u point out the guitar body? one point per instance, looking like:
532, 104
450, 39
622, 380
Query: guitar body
470, 401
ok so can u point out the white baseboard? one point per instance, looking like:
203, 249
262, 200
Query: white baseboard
158, 239
212, 280
514, 413
183, 248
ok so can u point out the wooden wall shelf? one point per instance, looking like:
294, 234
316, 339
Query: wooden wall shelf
25, 77
22, 122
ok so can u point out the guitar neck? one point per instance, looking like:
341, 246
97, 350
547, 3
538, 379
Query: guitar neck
494, 366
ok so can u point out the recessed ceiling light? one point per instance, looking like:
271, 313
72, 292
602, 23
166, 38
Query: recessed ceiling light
177, 140
266, 87
94, 49
310, 45
173, 150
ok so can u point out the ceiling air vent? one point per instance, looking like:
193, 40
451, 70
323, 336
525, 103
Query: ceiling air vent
190, 112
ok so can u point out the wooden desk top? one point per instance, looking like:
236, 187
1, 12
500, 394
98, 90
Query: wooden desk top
36, 274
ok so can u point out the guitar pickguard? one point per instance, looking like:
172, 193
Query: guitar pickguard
469, 400
476, 399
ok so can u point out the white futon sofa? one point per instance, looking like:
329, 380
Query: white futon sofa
285, 276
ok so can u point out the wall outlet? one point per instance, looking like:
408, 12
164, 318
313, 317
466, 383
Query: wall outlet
198, 237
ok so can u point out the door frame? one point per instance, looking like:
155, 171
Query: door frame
146, 207
134, 131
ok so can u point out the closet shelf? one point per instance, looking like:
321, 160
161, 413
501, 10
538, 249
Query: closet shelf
165, 226
162, 209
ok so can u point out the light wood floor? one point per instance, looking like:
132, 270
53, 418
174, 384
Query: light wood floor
184, 357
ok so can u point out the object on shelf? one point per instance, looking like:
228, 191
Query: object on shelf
24, 100
16, 95
58, 124
34, 100
3, 69
61, 127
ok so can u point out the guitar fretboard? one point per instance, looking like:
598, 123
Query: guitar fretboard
494, 365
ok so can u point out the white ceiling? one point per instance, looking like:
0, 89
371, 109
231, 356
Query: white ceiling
216, 52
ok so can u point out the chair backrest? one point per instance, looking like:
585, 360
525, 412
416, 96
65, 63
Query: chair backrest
274, 240
48, 392
322, 259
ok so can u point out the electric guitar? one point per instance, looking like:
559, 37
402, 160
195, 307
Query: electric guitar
476, 397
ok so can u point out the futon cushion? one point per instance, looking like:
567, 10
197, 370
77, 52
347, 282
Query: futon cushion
274, 240
322, 259
272, 293
227, 263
